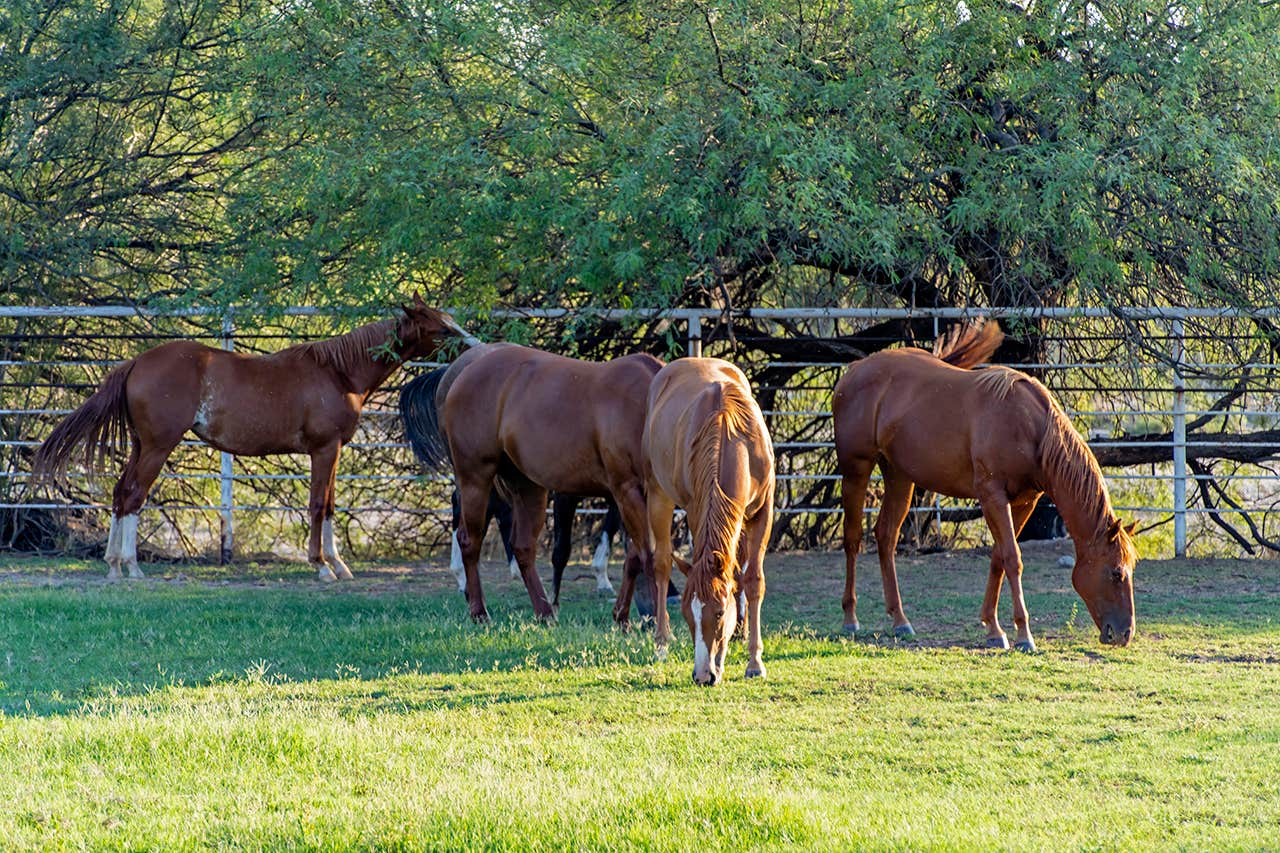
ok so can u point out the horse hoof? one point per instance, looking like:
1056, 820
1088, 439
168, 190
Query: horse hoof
481, 618
756, 671
1028, 645
1001, 642
345, 574
851, 628
327, 575
904, 632
606, 591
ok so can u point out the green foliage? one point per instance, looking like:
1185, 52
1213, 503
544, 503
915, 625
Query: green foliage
661, 153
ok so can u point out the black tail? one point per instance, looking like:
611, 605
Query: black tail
422, 422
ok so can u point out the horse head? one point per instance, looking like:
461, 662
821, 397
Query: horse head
711, 609
421, 329
1103, 577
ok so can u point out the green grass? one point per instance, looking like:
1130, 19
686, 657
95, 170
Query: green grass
266, 711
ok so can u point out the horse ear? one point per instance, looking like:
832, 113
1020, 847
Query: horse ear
1113, 529
417, 301
1132, 528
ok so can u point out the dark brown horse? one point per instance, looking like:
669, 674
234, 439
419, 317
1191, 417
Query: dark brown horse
709, 451
528, 421
995, 435
304, 399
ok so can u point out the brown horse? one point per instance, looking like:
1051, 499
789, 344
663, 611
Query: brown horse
304, 399
709, 451
528, 421
993, 434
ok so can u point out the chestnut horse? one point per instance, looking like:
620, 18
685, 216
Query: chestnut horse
709, 451
528, 421
303, 399
993, 434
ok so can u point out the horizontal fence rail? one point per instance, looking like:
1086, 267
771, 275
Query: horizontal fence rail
1117, 386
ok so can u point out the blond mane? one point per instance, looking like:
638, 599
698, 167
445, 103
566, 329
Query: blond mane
715, 560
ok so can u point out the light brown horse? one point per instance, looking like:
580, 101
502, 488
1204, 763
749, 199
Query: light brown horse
995, 435
304, 399
709, 451
529, 422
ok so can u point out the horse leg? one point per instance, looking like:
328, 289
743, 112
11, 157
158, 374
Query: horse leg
455, 550
600, 560
893, 511
323, 462
756, 534
633, 507
113, 548
562, 512
1020, 511
999, 517
340, 568
529, 511
474, 492
855, 475
130, 494
660, 509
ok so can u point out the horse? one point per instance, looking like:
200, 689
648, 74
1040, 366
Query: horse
992, 434
303, 399
708, 450
526, 422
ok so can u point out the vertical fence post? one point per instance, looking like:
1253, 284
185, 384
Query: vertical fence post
1179, 443
694, 348
226, 474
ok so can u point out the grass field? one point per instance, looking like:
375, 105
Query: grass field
257, 709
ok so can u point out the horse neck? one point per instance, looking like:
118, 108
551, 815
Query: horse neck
348, 356
1074, 482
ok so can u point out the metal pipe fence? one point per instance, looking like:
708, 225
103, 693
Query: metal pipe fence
1120, 374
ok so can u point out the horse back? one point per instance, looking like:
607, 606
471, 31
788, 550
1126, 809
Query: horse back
569, 425
940, 425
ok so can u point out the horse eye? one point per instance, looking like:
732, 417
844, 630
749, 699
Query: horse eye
1117, 576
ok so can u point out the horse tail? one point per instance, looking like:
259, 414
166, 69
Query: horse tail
723, 514
970, 344
421, 420
99, 426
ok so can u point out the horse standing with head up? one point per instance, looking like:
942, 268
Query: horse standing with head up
303, 399
709, 451
526, 422
995, 435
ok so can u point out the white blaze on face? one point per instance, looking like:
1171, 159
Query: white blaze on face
455, 563
701, 653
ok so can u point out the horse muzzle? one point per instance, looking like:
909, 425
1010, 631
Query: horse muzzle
710, 678
1114, 635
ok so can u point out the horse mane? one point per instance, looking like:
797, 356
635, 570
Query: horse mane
1075, 475
347, 352
722, 514
999, 380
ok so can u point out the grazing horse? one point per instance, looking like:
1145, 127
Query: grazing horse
303, 399
995, 435
709, 451
528, 421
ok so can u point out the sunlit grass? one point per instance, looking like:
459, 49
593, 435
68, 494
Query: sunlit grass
273, 712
